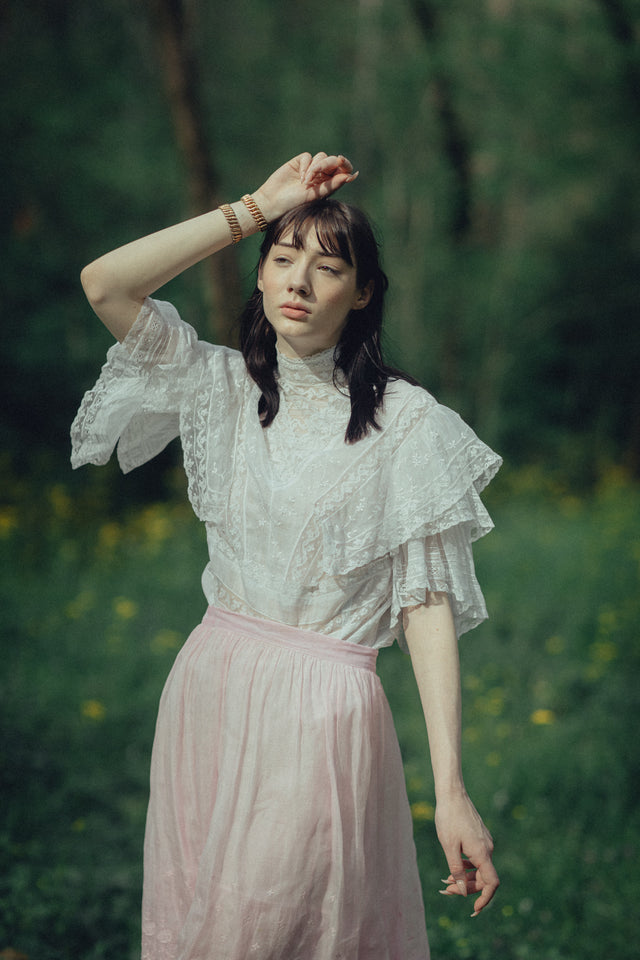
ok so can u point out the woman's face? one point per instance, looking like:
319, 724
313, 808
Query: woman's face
307, 295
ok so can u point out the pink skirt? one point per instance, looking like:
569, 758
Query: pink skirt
278, 824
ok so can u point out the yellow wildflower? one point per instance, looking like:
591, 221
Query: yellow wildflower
8, 521
543, 718
124, 608
165, 640
93, 710
603, 651
156, 523
421, 811
109, 536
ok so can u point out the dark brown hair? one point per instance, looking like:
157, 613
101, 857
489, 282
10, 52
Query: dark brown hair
342, 231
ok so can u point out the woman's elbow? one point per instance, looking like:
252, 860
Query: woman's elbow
94, 283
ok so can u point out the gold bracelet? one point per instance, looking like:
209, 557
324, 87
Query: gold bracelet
232, 220
254, 210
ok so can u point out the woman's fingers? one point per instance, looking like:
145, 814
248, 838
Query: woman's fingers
483, 880
453, 889
304, 162
323, 168
488, 882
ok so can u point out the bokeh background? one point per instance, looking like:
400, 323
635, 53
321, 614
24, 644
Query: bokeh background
498, 144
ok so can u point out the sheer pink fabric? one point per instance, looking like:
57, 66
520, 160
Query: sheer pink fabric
279, 827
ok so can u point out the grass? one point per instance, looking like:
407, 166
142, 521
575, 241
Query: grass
95, 610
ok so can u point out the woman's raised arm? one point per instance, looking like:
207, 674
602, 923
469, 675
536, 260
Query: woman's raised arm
117, 283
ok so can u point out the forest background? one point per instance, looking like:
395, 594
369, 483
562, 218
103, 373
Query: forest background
498, 143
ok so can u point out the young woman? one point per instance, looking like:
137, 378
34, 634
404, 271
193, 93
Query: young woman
340, 503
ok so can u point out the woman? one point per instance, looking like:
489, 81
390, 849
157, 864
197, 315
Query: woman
340, 500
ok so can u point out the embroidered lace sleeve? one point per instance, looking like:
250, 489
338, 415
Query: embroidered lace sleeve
136, 400
417, 503
442, 563
438, 555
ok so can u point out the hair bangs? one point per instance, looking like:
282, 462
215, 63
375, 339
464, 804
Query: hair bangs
330, 223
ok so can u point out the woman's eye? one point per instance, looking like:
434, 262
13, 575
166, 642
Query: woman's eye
327, 269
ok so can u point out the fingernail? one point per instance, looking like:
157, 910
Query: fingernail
475, 914
445, 893
446, 881
462, 887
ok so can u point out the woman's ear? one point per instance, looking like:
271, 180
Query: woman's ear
363, 296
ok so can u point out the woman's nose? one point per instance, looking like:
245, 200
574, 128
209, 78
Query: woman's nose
299, 280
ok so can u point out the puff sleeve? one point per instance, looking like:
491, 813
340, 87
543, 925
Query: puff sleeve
137, 399
443, 468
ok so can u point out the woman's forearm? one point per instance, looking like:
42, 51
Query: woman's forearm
433, 644
117, 283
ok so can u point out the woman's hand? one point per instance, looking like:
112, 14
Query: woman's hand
468, 847
301, 179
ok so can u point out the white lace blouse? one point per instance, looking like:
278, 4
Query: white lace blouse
302, 528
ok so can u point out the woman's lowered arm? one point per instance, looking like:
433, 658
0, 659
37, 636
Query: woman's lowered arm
433, 644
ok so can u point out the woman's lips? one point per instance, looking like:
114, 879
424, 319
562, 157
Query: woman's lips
294, 311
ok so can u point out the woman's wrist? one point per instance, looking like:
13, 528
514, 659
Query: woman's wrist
237, 214
449, 782
264, 206
244, 217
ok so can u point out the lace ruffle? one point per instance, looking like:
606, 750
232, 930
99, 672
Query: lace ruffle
442, 563
423, 477
136, 400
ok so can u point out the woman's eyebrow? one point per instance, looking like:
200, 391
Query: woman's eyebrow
319, 252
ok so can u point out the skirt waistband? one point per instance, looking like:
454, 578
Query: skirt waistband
305, 641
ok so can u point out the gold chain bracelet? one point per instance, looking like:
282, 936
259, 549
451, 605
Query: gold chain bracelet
254, 210
232, 220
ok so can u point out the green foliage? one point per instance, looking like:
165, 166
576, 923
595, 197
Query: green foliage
93, 618
524, 318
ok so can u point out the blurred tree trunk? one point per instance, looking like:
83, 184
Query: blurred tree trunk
454, 140
623, 28
457, 156
171, 26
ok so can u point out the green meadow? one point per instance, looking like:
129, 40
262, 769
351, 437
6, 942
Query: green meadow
96, 607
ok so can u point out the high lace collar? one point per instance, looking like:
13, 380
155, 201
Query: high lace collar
306, 372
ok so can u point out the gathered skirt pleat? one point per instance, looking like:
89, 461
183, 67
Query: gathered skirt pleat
278, 824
